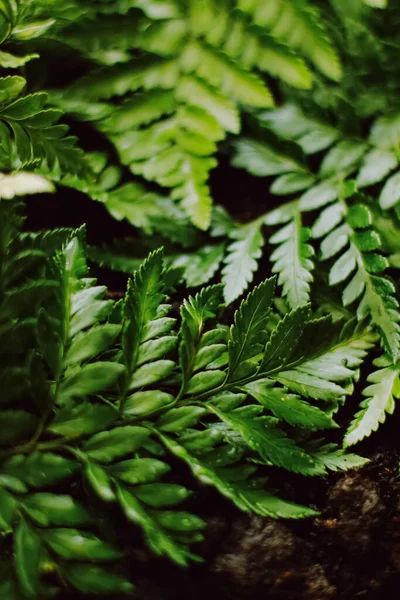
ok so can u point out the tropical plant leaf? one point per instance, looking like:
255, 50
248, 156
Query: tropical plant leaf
380, 395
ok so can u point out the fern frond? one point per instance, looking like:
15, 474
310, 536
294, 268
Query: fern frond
373, 160
260, 159
241, 259
30, 133
288, 407
131, 201
290, 123
333, 458
350, 231
380, 400
70, 334
193, 357
214, 468
299, 25
200, 108
320, 377
143, 349
197, 74
204, 264
248, 334
262, 435
111, 390
292, 259
318, 373
251, 46
21, 22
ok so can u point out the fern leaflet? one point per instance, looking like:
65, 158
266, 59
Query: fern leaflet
351, 232
380, 400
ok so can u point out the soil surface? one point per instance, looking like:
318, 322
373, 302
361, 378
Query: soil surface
350, 551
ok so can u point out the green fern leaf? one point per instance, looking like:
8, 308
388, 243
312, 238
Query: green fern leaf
343, 158
263, 436
262, 160
247, 44
288, 407
390, 194
27, 550
30, 134
11, 61
197, 74
385, 132
364, 265
289, 122
326, 374
291, 183
377, 164
217, 70
275, 59
143, 342
38, 469
330, 457
241, 259
94, 579
248, 334
282, 344
298, 24
378, 158
78, 307
195, 312
144, 296
161, 542
292, 258
244, 495
384, 387
319, 195
204, 265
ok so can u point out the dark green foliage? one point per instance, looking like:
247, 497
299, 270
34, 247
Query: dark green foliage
186, 72
107, 392
99, 398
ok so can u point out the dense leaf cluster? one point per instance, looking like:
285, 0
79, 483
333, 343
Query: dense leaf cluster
101, 394
101, 399
186, 70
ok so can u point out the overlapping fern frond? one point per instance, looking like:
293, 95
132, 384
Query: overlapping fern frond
103, 392
380, 394
21, 21
350, 231
345, 227
369, 162
355, 236
196, 72
30, 133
